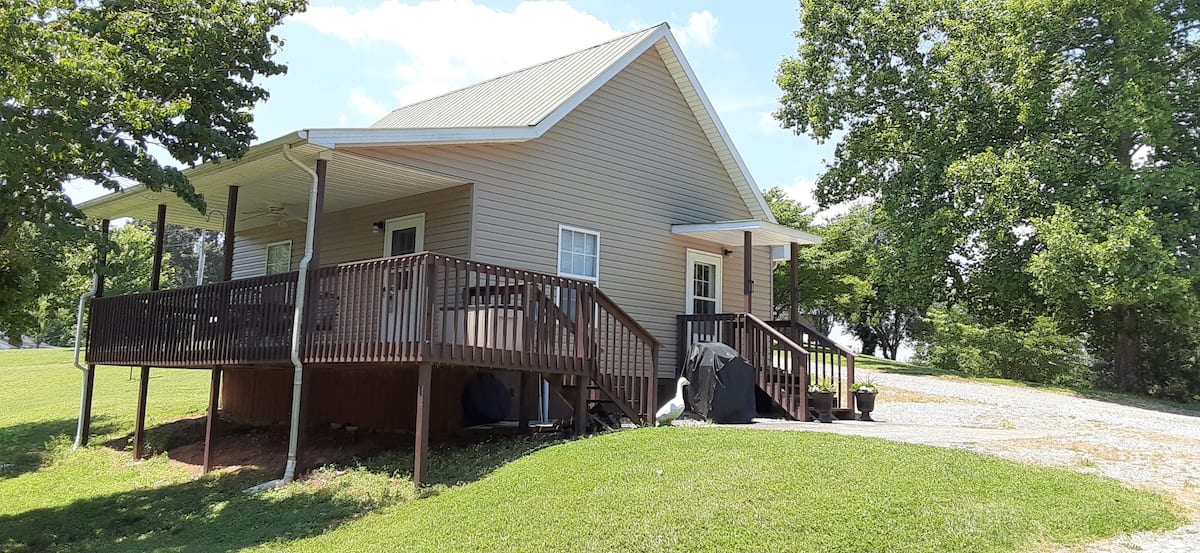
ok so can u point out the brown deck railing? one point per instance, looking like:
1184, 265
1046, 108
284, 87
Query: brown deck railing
829, 360
781, 363
420, 307
626, 357
236, 322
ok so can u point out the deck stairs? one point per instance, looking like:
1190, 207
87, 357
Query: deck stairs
788, 356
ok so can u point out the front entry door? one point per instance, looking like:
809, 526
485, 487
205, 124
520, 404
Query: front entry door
703, 283
703, 292
399, 319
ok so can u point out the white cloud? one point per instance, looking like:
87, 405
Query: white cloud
768, 124
442, 45
366, 105
803, 190
699, 31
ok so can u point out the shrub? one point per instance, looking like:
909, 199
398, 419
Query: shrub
1039, 353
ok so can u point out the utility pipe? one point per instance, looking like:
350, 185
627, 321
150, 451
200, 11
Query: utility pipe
78, 341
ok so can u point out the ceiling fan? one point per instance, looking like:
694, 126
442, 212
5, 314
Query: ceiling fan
278, 213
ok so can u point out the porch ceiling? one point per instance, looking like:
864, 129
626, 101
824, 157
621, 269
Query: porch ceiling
731, 233
266, 179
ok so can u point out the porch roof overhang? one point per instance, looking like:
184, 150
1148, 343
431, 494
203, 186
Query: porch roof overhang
266, 178
732, 233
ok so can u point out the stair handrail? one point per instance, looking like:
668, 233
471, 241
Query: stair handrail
774, 333
603, 300
795, 403
821, 337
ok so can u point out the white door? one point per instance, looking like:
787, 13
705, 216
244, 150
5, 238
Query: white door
703, 293
402, 236
703, 283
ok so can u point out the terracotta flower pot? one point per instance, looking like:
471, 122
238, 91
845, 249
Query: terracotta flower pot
822, 403
866, 404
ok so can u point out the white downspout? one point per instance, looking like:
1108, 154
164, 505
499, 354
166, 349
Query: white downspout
78, 341
289, 471
301, 294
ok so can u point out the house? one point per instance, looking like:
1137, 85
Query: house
573, 226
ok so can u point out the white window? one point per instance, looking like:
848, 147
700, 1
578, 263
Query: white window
404, 235
279, 257
578, 253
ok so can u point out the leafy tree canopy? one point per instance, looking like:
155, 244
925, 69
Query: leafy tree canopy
980, 127
88, 88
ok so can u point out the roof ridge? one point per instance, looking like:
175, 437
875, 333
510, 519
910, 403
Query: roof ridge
524, 69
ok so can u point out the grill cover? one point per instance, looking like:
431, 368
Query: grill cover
722, 384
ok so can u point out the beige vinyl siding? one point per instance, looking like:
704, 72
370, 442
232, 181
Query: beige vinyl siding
348, 236
629, 162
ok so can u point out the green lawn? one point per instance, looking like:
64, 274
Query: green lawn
668, 489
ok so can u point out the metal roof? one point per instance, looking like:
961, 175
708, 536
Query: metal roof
522, 98
516, 107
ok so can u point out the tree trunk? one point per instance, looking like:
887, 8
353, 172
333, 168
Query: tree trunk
868, 337
1125, 349
889, 351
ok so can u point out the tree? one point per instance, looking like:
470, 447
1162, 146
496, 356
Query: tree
977, 127
87, 88
846, 278
31, 266
180, 243
130, 262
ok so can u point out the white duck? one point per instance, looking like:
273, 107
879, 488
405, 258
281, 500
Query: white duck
673, 408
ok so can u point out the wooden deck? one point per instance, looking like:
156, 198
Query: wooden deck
420, 308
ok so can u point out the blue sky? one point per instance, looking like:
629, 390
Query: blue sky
349, 62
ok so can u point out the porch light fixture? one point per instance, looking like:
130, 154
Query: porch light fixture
377, 227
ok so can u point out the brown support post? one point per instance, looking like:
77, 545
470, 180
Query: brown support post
139, 427
681, 349
850, 384
795, 265
214, 392
581, 396
322, 167
231, 201
89, 385
421, 453
748, 269
214, 396
160, 232
652, 409
139, 431
313, 292
524, 402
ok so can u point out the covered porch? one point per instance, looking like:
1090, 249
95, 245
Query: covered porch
365, 294
789, 354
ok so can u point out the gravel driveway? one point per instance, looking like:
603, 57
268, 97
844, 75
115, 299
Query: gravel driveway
1143, 447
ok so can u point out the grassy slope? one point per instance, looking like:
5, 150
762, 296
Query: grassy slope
651, 489
694, 489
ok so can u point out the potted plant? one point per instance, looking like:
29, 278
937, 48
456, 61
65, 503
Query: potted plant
864, 398
820, 396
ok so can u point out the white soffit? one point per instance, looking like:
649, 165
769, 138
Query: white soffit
265, 178
732, 233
